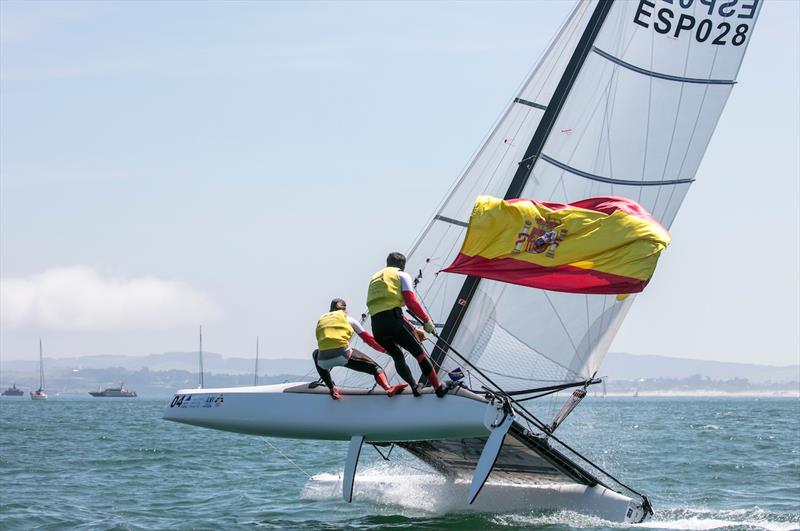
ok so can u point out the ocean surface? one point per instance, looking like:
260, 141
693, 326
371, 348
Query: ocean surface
705, 463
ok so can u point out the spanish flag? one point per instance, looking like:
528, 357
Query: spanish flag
598, 245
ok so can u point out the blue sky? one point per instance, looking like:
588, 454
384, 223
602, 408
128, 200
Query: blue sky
167, 164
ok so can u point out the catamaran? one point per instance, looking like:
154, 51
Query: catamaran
623, 103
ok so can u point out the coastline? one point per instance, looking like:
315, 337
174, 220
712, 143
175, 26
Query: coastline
710, 393
783, 393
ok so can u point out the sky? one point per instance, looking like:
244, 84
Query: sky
169, 164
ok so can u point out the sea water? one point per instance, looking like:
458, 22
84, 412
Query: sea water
705, 463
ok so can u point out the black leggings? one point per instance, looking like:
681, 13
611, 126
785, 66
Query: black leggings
358, 361
394, 332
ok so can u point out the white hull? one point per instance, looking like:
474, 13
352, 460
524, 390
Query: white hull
268, 410
437, 495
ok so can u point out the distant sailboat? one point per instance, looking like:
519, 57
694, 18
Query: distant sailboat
200, 381
40, 394
255, 373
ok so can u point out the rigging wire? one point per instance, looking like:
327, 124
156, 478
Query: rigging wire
287, 458
522, 411
544, 428
519, 92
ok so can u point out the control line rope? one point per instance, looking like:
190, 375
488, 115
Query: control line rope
523, 412
287, 458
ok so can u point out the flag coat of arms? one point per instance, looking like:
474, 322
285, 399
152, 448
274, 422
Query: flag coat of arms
600, 245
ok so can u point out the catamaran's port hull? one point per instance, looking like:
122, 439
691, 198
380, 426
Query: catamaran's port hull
294, 411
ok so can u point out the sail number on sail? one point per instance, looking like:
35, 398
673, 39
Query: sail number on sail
669, 19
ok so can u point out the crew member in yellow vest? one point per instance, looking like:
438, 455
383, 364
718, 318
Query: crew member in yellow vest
390, 289
334, 330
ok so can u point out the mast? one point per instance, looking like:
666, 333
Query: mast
41, 366
460, 305
200, 386
255, 373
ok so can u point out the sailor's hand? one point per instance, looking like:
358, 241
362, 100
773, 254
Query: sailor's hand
429, 327
420, 334
335, 393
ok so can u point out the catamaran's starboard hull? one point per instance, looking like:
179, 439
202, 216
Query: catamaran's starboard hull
438, 496
295, 411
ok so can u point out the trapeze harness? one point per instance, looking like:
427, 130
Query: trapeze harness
389, 290
334, 330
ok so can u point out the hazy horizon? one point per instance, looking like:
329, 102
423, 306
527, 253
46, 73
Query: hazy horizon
224, 356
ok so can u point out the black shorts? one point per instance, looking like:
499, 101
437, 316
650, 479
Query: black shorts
389, 328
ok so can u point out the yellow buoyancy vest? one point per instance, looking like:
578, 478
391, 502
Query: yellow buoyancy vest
333, 330
385, 291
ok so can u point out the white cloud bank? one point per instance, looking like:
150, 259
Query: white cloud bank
79, 299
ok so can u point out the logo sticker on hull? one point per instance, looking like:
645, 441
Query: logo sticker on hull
197, 401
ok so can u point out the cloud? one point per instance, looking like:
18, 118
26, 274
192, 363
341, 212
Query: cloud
79, 299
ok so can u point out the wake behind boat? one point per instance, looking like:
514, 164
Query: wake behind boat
114, 392
620, 109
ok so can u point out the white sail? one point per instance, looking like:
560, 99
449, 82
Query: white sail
635, 123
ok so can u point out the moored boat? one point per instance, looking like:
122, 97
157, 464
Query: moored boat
13, 391
114, 392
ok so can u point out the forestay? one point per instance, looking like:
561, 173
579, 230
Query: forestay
635, 123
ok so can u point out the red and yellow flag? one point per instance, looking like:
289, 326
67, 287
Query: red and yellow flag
598, 245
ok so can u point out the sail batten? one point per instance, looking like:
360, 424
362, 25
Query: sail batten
531, 104
659, 75
451, 221
600, 178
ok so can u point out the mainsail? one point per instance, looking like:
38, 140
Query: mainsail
623, 103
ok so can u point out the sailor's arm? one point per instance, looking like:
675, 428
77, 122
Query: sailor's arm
412, 303
364, 335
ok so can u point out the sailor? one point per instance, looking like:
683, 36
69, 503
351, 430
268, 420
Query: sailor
390, 289
334, 330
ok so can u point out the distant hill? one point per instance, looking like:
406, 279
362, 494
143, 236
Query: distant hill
623, 366
155, 375
160, 374
168, 361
